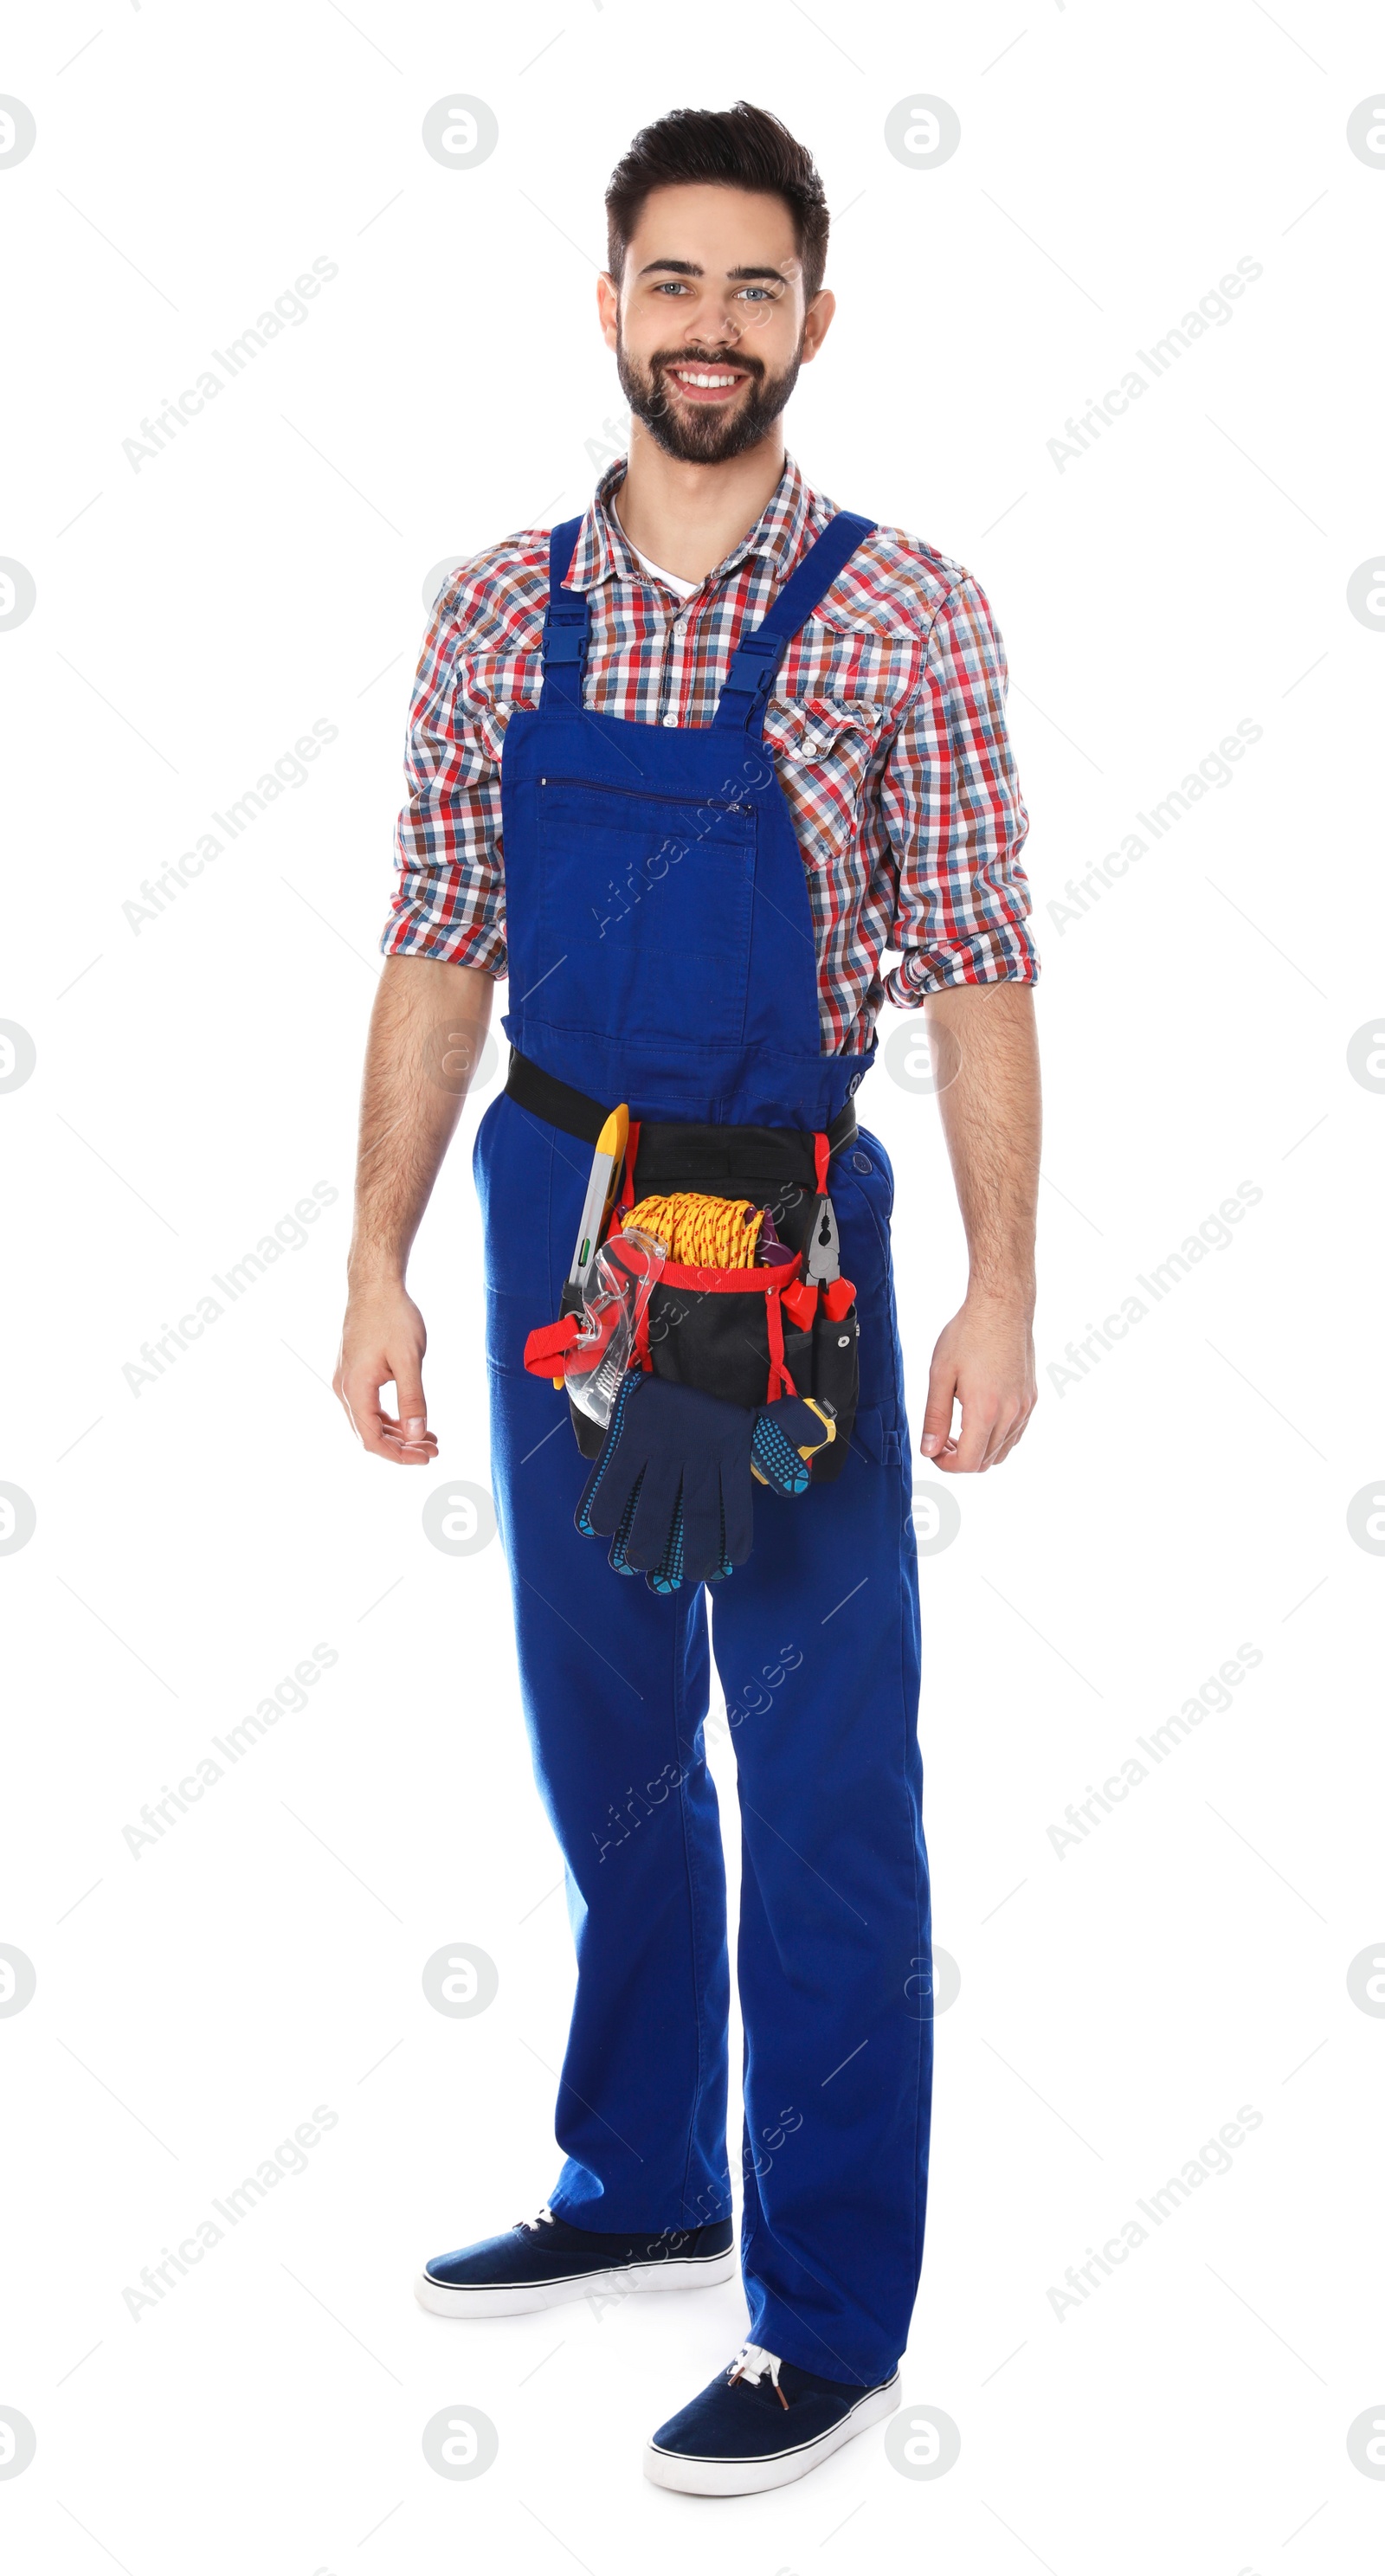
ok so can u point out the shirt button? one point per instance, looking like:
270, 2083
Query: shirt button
670, 720
862, 1163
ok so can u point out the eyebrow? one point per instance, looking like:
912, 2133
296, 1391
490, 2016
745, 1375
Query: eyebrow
690, 268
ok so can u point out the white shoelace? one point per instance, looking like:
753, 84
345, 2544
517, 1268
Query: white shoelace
545, 2218
751, 2363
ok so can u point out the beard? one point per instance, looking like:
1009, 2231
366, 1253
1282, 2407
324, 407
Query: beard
694, 434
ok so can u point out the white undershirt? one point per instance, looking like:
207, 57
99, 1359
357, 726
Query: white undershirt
684, 589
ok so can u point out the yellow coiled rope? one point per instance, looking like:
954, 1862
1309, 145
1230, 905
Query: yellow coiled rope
702, 1233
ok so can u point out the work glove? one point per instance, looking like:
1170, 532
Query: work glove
672, 1486
785, 1437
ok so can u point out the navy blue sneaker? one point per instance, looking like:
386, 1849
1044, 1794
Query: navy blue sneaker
762, 2424
542, 2261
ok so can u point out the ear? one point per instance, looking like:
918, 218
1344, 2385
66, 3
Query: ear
817, 321
608, 307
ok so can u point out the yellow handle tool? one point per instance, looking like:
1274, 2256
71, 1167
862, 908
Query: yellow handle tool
601, 1189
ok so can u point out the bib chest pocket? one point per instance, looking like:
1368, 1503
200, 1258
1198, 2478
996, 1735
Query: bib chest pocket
636, 888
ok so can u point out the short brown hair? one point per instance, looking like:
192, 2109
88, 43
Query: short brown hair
732, 147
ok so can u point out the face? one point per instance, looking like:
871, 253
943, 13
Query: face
709, 326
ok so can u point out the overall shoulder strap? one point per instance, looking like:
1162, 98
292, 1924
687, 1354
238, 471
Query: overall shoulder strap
758, 655
564, 625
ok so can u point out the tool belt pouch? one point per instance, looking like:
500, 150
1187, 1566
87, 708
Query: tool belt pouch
750, 1336
589, 1435
746, 1335
836, 1380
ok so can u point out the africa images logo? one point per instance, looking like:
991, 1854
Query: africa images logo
288, 312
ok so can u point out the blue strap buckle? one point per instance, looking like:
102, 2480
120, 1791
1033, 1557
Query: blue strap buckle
564, 639
754, 663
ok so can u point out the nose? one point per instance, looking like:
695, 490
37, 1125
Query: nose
714, 324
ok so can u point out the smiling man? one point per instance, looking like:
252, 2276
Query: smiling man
689, 770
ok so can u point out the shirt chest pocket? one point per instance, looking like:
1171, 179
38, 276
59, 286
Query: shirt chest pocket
821, 748
490, 688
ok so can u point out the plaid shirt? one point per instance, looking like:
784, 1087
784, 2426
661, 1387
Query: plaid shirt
886, 729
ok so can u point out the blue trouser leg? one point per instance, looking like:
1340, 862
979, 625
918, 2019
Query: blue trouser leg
817, 1646
615, 1691
816, 1640
615, 1683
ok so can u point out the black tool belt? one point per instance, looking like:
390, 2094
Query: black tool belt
703, 1336
681, 1157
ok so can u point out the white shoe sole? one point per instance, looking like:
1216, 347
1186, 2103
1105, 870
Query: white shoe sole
519, 2298
691, 2476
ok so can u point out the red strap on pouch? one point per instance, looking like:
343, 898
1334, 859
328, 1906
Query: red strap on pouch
545, 1348
780, 1382
822, 1155
632, 1148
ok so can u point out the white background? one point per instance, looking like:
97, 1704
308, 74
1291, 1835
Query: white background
196, 1075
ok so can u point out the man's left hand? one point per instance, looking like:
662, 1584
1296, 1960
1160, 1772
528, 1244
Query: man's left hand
984, 1361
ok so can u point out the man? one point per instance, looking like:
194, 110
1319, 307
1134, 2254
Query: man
690, 856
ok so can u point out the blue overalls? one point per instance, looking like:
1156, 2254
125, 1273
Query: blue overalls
661, 953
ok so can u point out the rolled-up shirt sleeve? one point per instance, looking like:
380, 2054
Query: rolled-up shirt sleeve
951, 808
449, 896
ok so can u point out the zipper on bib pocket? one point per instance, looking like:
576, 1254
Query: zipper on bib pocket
651, 795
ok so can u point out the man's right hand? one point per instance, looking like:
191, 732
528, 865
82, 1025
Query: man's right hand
382, 1343
427, 1030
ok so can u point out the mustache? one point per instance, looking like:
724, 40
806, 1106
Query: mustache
696, 358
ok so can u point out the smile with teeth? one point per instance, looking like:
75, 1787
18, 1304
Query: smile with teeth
706, 379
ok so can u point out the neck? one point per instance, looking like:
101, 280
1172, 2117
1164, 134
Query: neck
686, 518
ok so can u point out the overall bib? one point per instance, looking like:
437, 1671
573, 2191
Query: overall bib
661, 953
